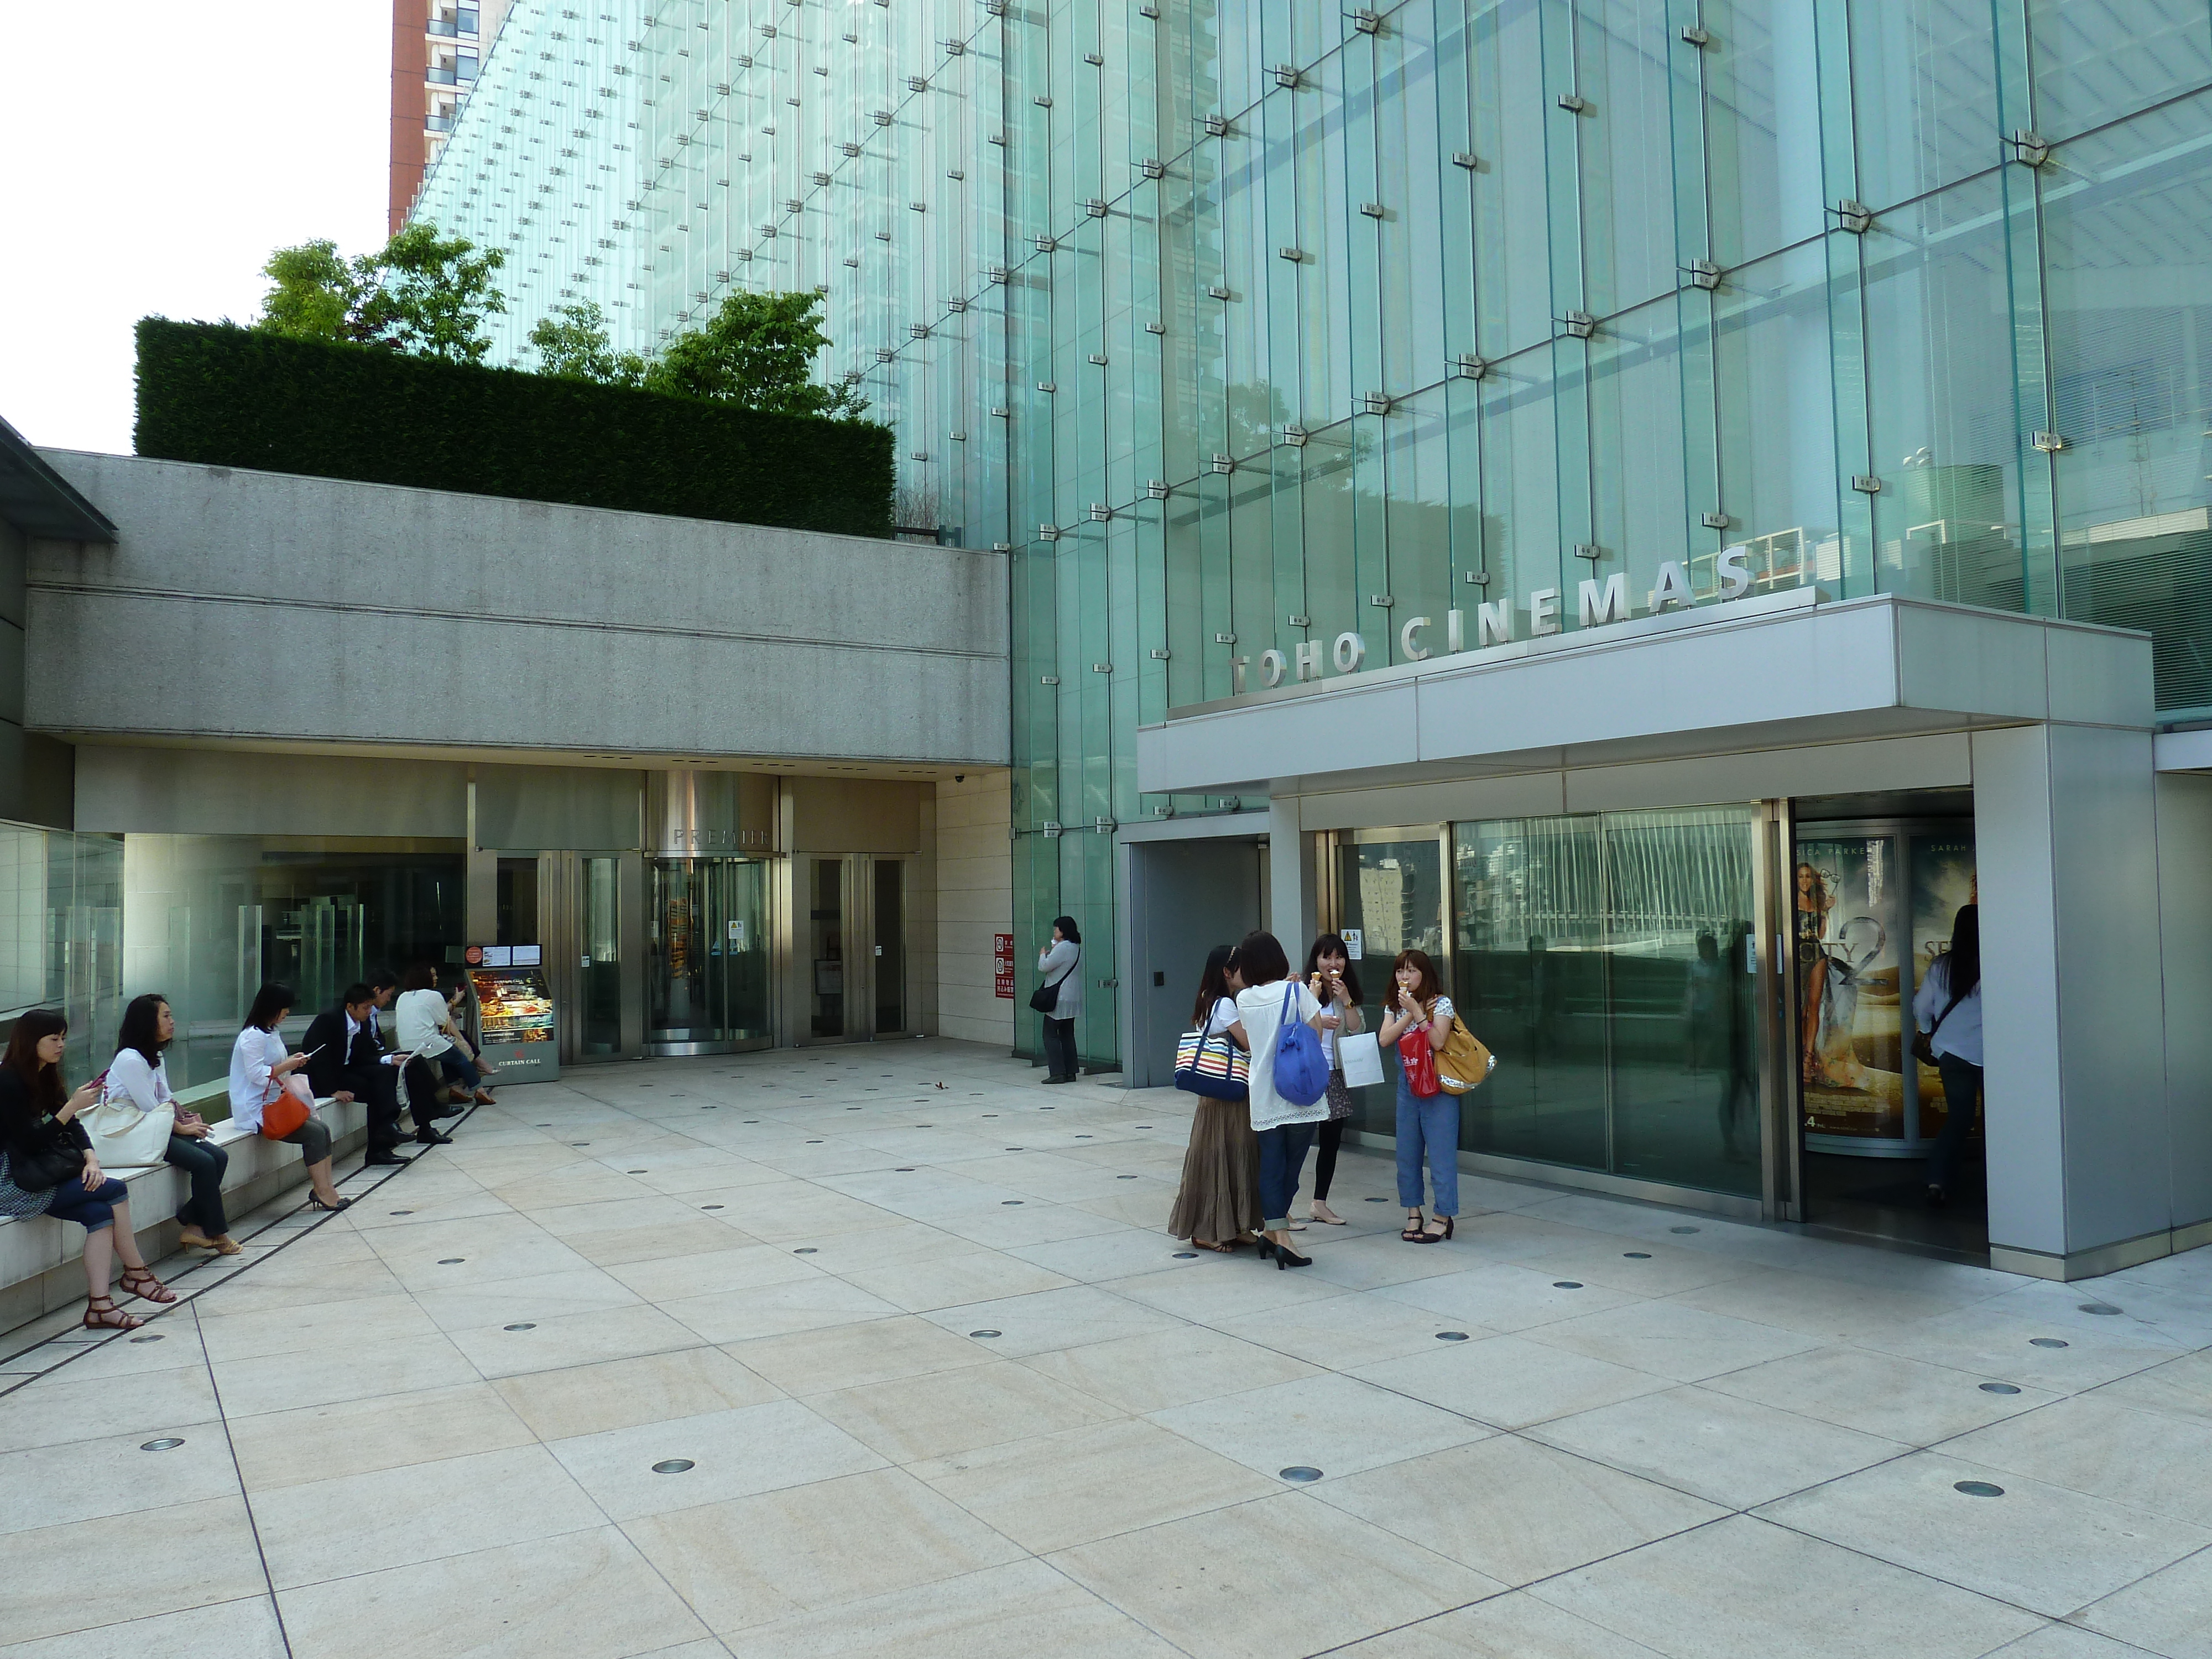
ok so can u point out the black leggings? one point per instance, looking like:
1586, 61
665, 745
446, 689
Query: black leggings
1331, 1138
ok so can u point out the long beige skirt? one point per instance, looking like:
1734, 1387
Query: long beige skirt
1220, 1193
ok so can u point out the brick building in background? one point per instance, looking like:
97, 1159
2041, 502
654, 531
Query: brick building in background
437, 46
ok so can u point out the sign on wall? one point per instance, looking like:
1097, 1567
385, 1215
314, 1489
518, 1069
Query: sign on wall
1002, 964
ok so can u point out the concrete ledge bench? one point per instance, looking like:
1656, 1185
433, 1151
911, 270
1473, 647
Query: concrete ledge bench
39, 1256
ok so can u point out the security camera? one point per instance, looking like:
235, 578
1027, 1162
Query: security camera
959, 777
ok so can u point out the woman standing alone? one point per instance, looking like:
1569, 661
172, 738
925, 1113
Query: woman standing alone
1948, 1005
1427, 1123
1218, 1205
1058, 964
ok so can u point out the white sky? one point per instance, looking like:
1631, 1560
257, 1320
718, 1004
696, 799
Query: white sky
156, 151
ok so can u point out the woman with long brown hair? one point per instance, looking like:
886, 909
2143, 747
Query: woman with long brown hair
1428, 1124
1218, 1205
47, 1167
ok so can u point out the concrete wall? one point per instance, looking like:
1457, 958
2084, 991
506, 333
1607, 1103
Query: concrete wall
974, 900
265, 606
34, 770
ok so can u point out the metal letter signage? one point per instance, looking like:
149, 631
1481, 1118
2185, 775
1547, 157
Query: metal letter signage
1413, 652
1611, 605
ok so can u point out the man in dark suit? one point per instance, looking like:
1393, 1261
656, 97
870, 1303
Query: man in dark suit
349, 1063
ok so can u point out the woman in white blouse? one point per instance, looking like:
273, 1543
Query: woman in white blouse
260, 1070
1284, 1128
139, 1074
425, 1031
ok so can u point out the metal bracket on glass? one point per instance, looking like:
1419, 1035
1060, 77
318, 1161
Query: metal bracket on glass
1217, 126
1294, 436
1372, 210
885, 355
1047, 244
1856, 217
1468, 159
1100, 512
1367, 23
999, 412
1102, 667
1152, 12
1589, 551
1299, 621
821, 178
994, 273
1717, 520
1295, 256
1866, 483
1156, 328
1215, 291
1152, 168
1047, 533
1478, 579
1695, 36
1286, 75
1223, 463
1161, 653
882, 118
2030, 149
1047, 386
919, 330
1468, 367
1375, 403
954, 48
1702, 273
1051, 828
1047, 680
957, 302
1573, 102
1093, 60
1105, 827
1580, 324
1382, 601
850, 149
1098, 358
1095, 208
1156, 489
917, 83
2049, 443
957, 437
1042, 100
1224, 639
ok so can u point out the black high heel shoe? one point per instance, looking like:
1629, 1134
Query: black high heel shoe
1267, 1248
1286, 1257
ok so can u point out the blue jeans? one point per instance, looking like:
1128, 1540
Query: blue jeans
457, 1070
91, 1208
1282, 1160
1962, 1088
1430, 1126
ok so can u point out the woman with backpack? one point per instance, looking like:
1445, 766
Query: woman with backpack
1948, 1007
1270, 1003
1420, 1023
1218, 1205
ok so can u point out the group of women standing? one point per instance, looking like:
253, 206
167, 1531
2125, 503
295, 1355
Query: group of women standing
1247, 1156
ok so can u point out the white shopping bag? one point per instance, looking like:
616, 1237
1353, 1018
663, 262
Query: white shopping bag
1361, 1055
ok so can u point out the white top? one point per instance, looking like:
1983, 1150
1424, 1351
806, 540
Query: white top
146, 1087
421, 1017
1351, 1022
1260, 1007
252, 1058
1961, 1031
1223, 1016
1060, 958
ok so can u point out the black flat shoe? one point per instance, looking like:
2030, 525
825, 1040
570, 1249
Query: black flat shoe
383, 1160
432, 1138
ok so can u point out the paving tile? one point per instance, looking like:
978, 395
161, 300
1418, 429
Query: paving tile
1672, 1339
1831, 1309
958, 1411
2039, 1545
1898, 1399
2066, 1642
1343, 1332
1058, 1489
1015, 1611
735, 1266
84, 1479
359, 1437
807, 1304
2002, 1349
805, 1362
63, 1579
573, 1340
254, 1335
2178, 1388
2145, 1460
57, 1408
2164, 1613
1514, 1510
1155, 1369
1283, 1574
1515, 1626
1501, 1297
1338, 1424
244, 1629
586, 1595
424, 1511
1068, 1318
1732, 1452
1509, 1381
734, 1453
749, 1561
288, 1382
1743, 1588
954, 1281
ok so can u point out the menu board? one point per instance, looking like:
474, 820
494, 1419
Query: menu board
514, 1008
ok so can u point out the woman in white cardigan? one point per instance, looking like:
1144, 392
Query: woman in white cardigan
1061, 964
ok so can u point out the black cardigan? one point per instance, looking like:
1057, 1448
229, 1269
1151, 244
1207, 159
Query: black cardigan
26, 1128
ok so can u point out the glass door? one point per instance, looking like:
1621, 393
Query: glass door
601, 958
707, 976
888, 921
1388, 897
823, 941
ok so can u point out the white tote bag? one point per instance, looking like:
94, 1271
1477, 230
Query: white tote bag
1361, 1056
125, 1137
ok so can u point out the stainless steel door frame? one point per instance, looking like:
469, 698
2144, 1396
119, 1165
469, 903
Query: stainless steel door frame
1781, 1167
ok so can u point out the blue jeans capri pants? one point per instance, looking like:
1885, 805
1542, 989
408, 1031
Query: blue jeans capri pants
92, 1209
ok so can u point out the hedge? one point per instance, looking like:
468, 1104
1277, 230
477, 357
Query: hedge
226, 396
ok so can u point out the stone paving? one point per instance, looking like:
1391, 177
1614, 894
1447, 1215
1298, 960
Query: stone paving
934, 1382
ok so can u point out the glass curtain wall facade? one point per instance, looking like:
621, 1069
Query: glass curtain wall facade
61, 916
1248, 325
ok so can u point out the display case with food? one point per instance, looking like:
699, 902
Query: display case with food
515, 1012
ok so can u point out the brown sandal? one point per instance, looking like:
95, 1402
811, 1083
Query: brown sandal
1219, 1249
140, 1282
109, 1318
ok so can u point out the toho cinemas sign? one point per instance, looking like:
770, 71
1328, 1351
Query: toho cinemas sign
1598, 604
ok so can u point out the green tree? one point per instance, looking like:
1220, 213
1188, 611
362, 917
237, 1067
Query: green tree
420, 293
571, 344
315, 293
756, 351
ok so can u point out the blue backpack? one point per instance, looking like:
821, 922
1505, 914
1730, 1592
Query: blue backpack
1301, 1068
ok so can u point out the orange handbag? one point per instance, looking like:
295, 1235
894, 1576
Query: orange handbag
284, 1116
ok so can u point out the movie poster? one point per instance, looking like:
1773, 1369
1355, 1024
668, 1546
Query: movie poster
1850, 1026
1942, 880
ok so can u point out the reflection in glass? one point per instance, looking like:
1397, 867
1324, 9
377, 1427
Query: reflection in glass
602, 967
1849, 1057
825, 935
706, 980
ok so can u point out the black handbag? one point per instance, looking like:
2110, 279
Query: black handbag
46, 1168
1046, 997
